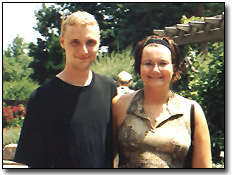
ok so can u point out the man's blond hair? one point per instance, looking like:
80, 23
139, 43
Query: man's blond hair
80, 18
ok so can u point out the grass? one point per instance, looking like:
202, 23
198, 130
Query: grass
11, 135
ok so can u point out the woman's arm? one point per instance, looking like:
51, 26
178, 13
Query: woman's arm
120, 104
114, 117
202, 147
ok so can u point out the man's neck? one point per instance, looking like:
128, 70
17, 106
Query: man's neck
77, 77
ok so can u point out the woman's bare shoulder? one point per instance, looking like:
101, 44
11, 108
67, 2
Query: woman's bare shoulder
120, 105
122, 100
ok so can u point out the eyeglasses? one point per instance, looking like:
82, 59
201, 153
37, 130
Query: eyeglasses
161, 65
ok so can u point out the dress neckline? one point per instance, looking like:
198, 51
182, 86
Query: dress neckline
137, 107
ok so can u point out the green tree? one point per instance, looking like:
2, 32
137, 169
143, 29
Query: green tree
8, 52
16, 71
207, 87
122, 24
17, 47
48, 58
48, 55
141, 18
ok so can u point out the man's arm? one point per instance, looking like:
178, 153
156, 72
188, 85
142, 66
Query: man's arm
30, 150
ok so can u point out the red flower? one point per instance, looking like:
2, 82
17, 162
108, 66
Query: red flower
12, 115
15, 109
6, 112
20, 107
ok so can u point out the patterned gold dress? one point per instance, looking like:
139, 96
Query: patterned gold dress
140, 145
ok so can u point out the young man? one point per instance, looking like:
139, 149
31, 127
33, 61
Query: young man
68, 122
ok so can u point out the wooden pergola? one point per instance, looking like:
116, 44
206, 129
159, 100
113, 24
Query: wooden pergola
211, 29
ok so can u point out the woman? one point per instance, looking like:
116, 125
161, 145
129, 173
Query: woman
152, 125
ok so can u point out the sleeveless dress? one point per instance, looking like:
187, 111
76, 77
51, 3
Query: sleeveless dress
140, 145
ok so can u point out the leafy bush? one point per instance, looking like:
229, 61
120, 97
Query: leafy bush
16, 72
114, 63
19, 90
14, 69
13, 116
207, 88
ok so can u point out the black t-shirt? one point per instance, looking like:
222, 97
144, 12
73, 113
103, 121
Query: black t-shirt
68, 126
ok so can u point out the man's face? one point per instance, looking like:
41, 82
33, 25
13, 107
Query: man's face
81, 44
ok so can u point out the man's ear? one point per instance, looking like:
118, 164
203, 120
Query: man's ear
62, 41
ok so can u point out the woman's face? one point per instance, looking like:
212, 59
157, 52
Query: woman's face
156, 66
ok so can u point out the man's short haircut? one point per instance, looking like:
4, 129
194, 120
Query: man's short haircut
79, 17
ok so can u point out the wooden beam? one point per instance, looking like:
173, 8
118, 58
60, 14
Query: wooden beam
171, 31
159, 32
215, 21
197, 24
201, 37
208, 30
184, 27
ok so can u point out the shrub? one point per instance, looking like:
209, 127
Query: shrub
16, 73
114, 63
18, 90
13, 116
207, 88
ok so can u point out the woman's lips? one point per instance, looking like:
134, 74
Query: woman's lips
155, 77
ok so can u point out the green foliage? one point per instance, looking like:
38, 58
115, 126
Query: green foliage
121, 24
16, 84
17, 48
213, 9
49, 58
114, 63
11, 135
139, 20
16, 69
18, 90
207, 88
185, 20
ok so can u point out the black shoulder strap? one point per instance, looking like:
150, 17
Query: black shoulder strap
192, 122
188, 160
